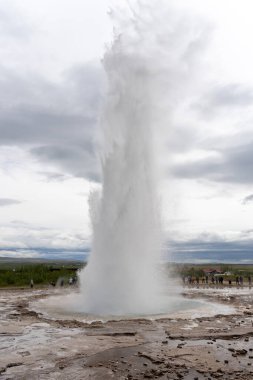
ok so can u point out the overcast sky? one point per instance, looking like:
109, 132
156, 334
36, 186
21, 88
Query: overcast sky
51, 88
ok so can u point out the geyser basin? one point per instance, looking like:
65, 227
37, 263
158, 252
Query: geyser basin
62, 306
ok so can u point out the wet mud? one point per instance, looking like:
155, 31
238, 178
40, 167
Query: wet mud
33, 346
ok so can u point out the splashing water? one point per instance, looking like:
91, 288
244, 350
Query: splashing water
121, 276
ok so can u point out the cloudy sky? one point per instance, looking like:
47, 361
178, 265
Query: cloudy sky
51, 88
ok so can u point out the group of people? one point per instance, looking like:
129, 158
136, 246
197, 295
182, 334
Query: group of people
73, 280
215, 280
61, 282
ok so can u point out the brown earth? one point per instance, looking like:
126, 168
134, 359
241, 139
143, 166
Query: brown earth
35, 347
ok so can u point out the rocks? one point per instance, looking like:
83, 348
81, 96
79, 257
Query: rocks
154, 373
14, 364
246, 312
120, 333
9, 365
217, 375
24, 353
151, 358
241, 352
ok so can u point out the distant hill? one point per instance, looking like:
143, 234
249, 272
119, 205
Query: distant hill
194, 251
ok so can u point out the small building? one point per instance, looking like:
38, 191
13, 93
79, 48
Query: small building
212, 271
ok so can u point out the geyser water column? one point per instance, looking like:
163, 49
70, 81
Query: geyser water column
121, 276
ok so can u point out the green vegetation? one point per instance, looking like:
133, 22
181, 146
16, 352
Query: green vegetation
18, 274
198, 270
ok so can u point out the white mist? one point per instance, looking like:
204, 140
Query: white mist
121, 275
149, 54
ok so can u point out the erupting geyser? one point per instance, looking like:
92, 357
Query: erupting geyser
148, 67
121, 275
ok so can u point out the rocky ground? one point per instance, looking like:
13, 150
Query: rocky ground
35, 347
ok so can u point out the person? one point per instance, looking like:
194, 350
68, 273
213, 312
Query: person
31, 283
250, 281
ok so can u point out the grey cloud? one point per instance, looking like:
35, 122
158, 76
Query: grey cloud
21, 224
232, 96
21, 235
12, 24
34, 110
234, 166
247, 200
182, 137
201, 169
72, 159
53, 176
89, 84
8, 202
55, 122
25, 126
211, 251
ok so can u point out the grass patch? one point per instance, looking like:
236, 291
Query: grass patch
198, 270
20, 274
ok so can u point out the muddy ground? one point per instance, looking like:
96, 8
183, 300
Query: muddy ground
33, 346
